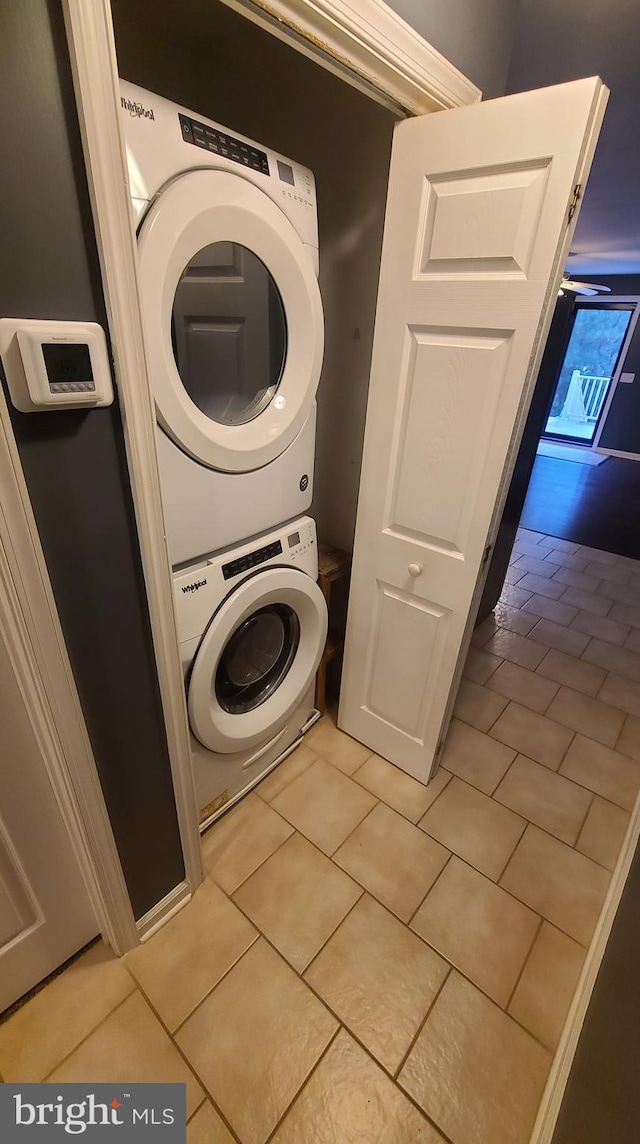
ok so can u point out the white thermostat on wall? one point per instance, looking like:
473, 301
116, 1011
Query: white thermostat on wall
55, 365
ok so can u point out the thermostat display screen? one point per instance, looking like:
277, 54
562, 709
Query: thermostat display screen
68, 366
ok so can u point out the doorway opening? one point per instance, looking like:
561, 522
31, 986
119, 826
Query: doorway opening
598, 333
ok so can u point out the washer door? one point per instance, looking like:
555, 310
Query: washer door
256, 659
233, 320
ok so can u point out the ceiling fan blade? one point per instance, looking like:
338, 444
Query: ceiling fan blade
589, 288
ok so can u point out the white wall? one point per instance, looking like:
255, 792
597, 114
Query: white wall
475, 35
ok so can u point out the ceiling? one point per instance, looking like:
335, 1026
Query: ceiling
560, 40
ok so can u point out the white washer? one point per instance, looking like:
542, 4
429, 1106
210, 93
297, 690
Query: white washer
252, 625
233, 323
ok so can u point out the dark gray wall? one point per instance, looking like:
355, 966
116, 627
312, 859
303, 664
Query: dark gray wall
559, 41
74, 461
622, 427
474, 35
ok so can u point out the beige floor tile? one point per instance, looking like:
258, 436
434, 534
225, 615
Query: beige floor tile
532, 735
345, 753
632, 641
241, 840
598, 555
484, 630
617, 573
605, 772
254, 1041
479, 664
479, 928
475, 827
513, 577
475, 1072
622, 693
590, 716
565, 887
41, 1033
349, 1100
324, 805
207, 1127
379, 979
514, 595
572, 579
536, 537
540, 586
620, 660
573, 672
629, 741
626, 613
546, 609
593, 602
601, 627
297, 898
621, 593
388, 856
513, 619
475, 757
436, 785
524, 547
567, 560
181, 964
130, 1046
603, 833
477, 706
562, 638
538, 794
559, 544
388, 783
518, 649
540, 567
546, 988
526, 687
286, 772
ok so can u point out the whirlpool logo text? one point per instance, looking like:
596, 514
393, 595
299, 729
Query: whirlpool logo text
132, 1114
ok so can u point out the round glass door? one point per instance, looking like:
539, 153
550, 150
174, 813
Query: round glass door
257, 658
229, 333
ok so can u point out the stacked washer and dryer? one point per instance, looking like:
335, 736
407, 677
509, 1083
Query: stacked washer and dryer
227, 264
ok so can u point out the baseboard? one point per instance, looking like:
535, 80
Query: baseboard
163, 911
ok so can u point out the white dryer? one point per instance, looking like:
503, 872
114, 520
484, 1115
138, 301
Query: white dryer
233, 323
252, 625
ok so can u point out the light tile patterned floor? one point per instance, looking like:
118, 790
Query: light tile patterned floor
371, 960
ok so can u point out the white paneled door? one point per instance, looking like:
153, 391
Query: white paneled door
479, 218
45, 912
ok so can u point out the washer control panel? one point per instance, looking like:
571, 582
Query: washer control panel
199, 589
221, 143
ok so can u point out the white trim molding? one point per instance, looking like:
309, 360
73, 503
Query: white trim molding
40, 657
370, 46
614, 298
93, 62
552, 1097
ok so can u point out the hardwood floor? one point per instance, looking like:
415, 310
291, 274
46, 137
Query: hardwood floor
598, 505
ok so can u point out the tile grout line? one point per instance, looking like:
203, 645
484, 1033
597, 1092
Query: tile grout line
304, 1084
190, 1066
524, 965
99, 1025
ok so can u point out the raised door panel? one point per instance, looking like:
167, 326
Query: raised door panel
476, 233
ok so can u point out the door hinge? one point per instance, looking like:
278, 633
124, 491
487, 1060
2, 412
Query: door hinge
573, 206
487, 554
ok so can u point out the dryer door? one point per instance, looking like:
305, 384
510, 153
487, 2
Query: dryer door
256, 659
232, 318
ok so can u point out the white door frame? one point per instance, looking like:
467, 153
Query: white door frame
615, 380
38, 652
373, 49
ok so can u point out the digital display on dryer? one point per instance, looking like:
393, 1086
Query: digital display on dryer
286, 173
